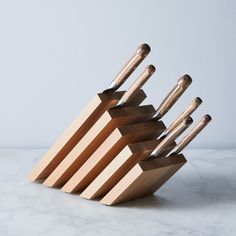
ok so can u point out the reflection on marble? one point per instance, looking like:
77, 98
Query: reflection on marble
199, 200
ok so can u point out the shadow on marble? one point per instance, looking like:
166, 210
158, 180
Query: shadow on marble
216, 190
186, 191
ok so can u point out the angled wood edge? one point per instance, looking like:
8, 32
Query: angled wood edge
109, 149
144, 179
119, 166
103, 127
77, 129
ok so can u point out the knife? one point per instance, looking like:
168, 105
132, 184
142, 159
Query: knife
182, 84
189, 110
195, 131
141, 80
142, 51
158, 151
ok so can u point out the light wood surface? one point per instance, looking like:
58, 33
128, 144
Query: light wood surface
77, 129
116, 149
109, 149
144, 179
104, 126
119, 166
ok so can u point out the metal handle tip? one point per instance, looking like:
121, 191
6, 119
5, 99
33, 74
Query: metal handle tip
188, 120
151, 69
185, 81
143, 49
198, 100
206, 118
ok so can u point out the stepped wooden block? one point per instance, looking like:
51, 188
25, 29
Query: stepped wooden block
119, 167
144, 179
104, 126
116, 150
78, 128
109, 149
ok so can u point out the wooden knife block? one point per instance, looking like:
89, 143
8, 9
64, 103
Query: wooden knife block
77, 129
115, 170
106, 124
110, 148
145, 178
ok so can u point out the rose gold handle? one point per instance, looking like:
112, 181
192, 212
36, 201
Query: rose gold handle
173, 96
141, 52
196, 130
190, 109
142, 79
171, 137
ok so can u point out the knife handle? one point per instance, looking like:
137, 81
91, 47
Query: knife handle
190, 109
171, 137
142, 51
142, 79
173, 96
195, 131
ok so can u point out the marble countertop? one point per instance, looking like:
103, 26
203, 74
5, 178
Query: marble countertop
199, 200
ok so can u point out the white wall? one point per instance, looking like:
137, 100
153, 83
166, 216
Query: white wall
54, 55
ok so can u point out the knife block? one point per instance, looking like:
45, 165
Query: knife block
145, 178
105, 125
77, 129
118, 167
106, 159
109, 149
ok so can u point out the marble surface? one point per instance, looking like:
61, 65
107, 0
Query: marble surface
199, 200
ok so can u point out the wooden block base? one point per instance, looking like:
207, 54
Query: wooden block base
144, 179
77, 129
105, 152
119, 167
109, 149
106, 124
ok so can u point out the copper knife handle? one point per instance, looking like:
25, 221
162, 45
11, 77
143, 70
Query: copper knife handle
173, 96
142, 51
189, 110
171, 137
142, 79
195, 131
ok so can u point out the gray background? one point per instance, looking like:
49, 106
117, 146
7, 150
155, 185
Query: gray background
55, 55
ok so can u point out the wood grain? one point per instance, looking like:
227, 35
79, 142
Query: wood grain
77, 129
144, 179
109, 149
119, 166
104, 126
